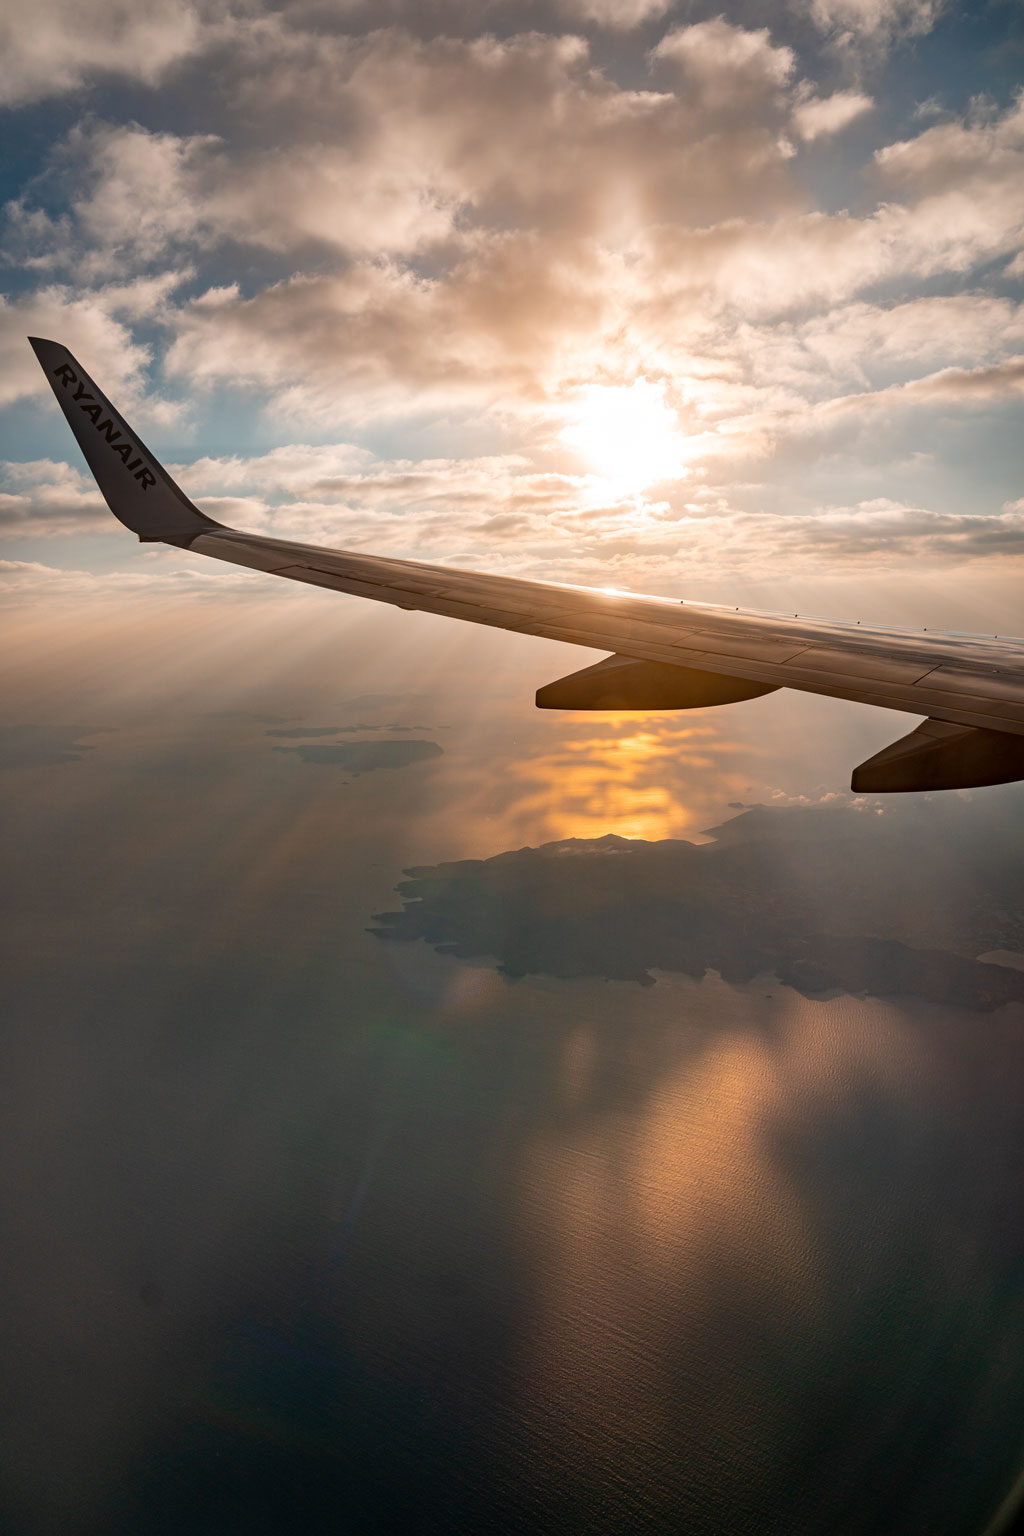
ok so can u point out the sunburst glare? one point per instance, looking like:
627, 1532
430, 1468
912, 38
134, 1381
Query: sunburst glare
628, 434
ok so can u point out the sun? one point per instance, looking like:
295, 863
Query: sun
627, 433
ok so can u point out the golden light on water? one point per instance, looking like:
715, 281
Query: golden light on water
603, 781
690, 1197
650, 776
628, 434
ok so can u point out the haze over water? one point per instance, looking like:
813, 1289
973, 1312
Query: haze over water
311, 1230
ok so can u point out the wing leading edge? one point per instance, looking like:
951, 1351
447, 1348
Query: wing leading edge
668, 654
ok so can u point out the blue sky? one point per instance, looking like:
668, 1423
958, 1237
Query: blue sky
654, 295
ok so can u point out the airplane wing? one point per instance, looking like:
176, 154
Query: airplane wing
667, 653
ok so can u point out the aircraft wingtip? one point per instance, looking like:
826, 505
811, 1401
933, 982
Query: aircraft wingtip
134, 484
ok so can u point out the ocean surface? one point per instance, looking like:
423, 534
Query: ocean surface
581, 1257
310, 1233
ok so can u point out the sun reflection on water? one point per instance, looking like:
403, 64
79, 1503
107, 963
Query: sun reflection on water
677, 1258
651, 777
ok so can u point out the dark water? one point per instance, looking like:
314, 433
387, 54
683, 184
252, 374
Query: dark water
581, 1257
304, 1232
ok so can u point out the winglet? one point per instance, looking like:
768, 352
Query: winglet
135, 486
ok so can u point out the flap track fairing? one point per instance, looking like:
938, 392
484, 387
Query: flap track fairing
941, 755
622, 682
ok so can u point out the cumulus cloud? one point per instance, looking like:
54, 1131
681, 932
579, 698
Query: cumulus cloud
390, 215
718, 64
512, 321
392, 144
55, 46
130, 198
353, 345
142, 197
874, 21
303, 468
41, 497
619, 15
982, 153
963, 205
511, 314
563, 206
820, 117
858, 423
861, 340
94, 324
332, 475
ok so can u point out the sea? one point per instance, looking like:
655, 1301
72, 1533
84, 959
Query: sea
564, 1257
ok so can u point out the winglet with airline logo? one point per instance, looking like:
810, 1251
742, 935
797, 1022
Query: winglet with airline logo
136, 488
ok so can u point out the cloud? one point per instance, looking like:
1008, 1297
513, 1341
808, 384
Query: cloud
128, 197
500, 514
390, 145
876, 22
980, 151
815, 260
862, 533
301, 468
142, 198
867, 537
818, 117
462, 232
94, 324
54, 46
617, 15
86, 325
963, 191
571, 207
860, 340
949, 387
42, 497
514, 316
354, 345
719, 64
866, 425
996, 381
952, 387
